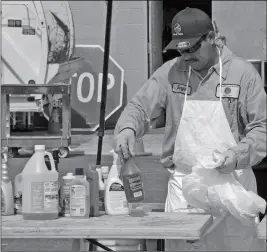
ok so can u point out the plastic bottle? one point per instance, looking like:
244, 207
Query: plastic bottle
79, 195
18, 193
40, 187
132, 181
65, 194
115, 156
101, 190
105, 172
115, 198
7, 199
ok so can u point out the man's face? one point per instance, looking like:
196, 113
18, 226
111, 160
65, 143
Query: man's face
200, 56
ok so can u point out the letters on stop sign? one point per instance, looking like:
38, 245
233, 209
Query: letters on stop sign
86, 87
92, 86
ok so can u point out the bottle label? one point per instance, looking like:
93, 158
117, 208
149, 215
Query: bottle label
77, 200
44, 196
18, 202
101, 200
51, 196
118, 199
66, 200
3, 205
133, 187
37, 192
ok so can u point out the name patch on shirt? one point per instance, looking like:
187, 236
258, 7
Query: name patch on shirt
181, 88
228, 91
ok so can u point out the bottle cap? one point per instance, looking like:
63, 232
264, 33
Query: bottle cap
79, 171
69, 175
97, 167
39, 147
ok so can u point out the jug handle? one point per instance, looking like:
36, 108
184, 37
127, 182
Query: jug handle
53, 168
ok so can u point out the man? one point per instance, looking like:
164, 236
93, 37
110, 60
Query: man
206, 71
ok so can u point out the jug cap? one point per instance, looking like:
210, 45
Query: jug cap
69, 176
39, 147
79, 171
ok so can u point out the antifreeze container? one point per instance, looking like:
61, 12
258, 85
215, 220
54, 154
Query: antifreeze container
40, 187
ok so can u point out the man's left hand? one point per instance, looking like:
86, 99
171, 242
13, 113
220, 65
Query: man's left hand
229, 164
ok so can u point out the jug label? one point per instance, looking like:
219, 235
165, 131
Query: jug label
18, 202
37, 189
116, 187
77, 200
118, 199
51, 196
133, 186
66, 200
3, 206
101, 200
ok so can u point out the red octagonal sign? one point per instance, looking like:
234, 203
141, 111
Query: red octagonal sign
86, 88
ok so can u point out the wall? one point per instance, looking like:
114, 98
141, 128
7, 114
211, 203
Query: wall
244, 25
128, 35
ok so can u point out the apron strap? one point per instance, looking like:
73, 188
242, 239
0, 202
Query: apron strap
220, 63
187, 84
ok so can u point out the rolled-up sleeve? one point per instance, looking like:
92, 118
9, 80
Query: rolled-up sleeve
146, 104
252, 148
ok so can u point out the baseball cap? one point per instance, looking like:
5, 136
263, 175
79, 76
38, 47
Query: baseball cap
188, 26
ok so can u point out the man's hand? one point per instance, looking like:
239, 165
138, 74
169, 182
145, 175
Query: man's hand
124, 143
230, 162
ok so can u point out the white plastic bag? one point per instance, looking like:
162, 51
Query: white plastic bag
218, 193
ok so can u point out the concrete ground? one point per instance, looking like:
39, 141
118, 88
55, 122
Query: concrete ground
88, 143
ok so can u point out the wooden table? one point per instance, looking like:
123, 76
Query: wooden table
138, 225
261, 229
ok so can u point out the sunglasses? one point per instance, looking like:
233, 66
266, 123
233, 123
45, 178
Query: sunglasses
195, 47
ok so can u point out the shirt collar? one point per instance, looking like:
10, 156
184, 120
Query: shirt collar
226, 56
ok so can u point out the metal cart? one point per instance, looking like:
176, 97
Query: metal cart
14, 140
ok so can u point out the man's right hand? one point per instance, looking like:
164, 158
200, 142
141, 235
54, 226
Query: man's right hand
124, 143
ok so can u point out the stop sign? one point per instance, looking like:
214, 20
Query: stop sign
86, 87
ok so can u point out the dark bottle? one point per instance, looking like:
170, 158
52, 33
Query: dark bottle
132, 181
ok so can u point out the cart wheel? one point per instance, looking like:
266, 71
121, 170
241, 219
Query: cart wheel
13, 152
63, 152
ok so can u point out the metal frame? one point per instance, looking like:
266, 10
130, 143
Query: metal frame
262, 68
26, 140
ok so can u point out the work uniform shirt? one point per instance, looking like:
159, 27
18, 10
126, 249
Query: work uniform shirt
243, 98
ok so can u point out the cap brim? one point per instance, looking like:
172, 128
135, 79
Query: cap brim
182, 44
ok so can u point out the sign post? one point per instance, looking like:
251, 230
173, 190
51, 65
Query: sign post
101, 129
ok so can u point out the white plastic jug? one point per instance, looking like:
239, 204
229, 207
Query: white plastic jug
40, 187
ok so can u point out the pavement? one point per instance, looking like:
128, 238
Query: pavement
88, 143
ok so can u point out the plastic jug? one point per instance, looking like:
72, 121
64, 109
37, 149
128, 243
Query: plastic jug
132, 181
7, 203
65, 194
79, 195
115, 198
40, 187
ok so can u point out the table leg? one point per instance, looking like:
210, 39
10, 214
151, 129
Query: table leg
155, 245
94, 243
160, 245
80, 245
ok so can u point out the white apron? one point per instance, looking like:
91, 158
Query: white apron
206, 125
